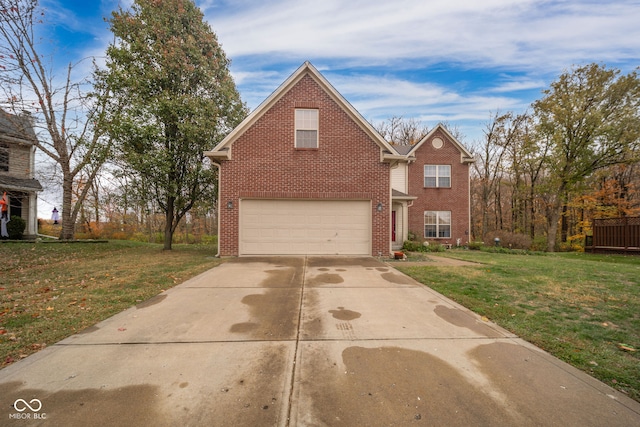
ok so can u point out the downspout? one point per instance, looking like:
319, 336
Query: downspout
217, 165
33, 197
394, 165
32, 166
469, 201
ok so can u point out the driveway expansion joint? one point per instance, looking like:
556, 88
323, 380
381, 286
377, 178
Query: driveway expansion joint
295, 351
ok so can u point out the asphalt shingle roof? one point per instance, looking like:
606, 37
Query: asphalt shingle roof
24, 184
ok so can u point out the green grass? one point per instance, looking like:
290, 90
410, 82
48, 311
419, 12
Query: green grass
578, 307
49, 291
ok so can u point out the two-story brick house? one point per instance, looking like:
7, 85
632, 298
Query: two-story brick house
305, 173
17, 162
431, 190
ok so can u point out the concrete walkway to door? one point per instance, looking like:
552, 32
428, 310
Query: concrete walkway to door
296, 341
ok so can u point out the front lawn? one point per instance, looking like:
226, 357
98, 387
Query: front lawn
582, 308
49, 291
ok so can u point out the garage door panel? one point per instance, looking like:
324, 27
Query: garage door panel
305, 227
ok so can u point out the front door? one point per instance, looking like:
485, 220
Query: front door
393, 226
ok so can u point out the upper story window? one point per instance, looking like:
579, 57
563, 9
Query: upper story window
437, 176
4, 157
306, 128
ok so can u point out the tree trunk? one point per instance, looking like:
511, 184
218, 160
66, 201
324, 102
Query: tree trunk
532, 212
168, 226
564, 231
553, 228
554, 219
499, 219
68, 223
484, 206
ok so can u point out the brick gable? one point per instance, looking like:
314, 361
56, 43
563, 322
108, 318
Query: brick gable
265, 164
454, 199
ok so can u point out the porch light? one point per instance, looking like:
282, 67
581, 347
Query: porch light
230, 204
379, 207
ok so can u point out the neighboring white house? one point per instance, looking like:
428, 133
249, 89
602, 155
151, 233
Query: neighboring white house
17, 163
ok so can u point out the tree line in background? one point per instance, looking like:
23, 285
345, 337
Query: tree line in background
546, 174
541, 177
539, 180
128, 140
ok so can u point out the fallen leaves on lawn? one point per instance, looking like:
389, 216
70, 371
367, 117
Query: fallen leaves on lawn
626, 347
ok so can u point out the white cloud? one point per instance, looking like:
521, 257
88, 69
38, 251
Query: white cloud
510, 84
378, 53
379, 98
529, 34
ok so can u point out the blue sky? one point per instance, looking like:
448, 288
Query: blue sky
457, 61
434, 60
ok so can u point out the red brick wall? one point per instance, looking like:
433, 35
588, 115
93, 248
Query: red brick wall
454, 199
265, 164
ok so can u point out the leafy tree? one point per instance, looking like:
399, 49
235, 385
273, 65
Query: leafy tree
67, 118
591, 117
173, 98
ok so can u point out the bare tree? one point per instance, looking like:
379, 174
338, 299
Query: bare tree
489, 167
402, 131
454, 130
68, 119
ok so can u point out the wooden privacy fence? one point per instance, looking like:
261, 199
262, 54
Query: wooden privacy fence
615, 235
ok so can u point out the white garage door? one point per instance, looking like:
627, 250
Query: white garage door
301, 227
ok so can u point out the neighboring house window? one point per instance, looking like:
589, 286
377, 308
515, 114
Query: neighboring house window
437, 224
306, 128
4, 157
437, 176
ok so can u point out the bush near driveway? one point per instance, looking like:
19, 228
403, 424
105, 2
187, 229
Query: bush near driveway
582, 308
50, 291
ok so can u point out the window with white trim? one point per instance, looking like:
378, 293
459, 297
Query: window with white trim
436, 176
437, 224
306, 128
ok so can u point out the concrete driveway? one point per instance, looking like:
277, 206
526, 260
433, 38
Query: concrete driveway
295, 341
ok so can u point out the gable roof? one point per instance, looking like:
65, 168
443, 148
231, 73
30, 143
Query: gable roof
465, 155
17, 128
222, 151
403, 149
